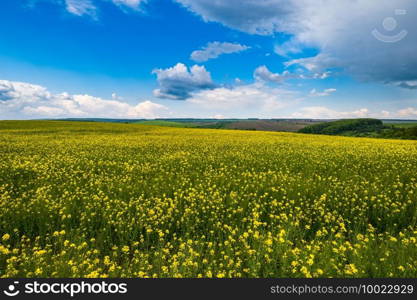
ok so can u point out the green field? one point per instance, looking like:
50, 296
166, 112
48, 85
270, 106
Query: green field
365, 128
132, 200
402, 124
167, 124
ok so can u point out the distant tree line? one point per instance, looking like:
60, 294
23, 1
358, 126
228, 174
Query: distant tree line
361, 127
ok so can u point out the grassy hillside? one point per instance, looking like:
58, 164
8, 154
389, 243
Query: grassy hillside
403, 132
168, 123
267, 125
262, 125
130, 200
364, 128
345, 127
401, 124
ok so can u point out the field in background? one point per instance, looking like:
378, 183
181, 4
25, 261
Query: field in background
281, 125
125, 200
167, 123
365, 127
401, 124
239, 124
286, 125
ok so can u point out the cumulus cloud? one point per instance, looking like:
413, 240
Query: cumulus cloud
324, 93
341, 31
252, 96
215, 49
34, 101
20, 91
263, 74
177, 82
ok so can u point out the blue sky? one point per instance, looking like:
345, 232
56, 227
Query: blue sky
207, 58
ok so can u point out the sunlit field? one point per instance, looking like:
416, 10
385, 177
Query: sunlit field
129, 200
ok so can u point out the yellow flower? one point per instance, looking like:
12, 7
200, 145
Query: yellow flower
294, 263
93, 274
305, 272
5, 237
319, 272
38, 271
4, 250
401, 268
351, 269
40, 252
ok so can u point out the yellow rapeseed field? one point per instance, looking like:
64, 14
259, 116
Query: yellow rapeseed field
126, 200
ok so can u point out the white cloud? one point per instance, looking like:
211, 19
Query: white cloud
323, 75
324, 93
10, 90
81, 7
340, 30
410, 84
177, 82
45, 111
19, 99
263, 74
409, 112
321, 112
313, 63
215, 49
251, 96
